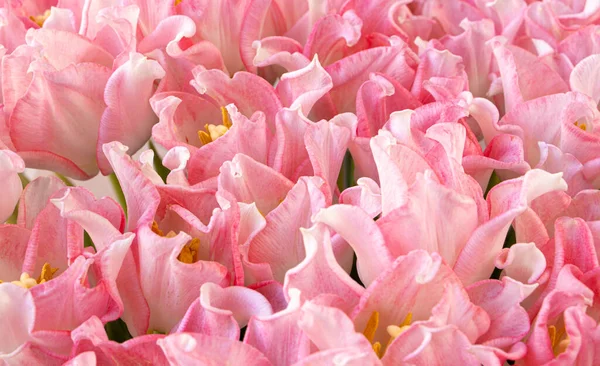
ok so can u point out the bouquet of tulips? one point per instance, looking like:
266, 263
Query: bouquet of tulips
300, 182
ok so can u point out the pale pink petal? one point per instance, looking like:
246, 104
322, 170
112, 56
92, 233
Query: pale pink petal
326, 144
68, 290
289, 155
13, 248
282, 51
10, 166
128, 117
60, 19
583, 75
366, 195
171, 29
520, 72
362, 234
522, 262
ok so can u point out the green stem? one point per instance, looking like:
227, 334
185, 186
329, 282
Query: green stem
66, 180
117, 187
158, 166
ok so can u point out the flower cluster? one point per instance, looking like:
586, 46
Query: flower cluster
327, 182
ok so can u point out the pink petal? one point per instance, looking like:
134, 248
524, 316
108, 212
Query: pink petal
477, 64
35, 197
167, 31
247, 136
13, 247
289, 155
501, 301
90, 338
455, 308
180, 117
506, 201
278, 336
169, 299
62, 48
194, 348
248, 92
351, 72
67, 290
140, 194
319, 273
413, 283
46, 123
282, 51
280, 243
304, 87
435, 218
366, 195
332, 36
249, 181
376, 99
128, 117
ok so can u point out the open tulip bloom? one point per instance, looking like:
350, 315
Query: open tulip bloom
300, 182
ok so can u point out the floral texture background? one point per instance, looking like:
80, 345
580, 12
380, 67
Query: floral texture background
300, 182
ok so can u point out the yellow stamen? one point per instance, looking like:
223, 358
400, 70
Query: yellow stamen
225, 117
40, 19
552, 334
581, 125
371, 327
26, 281
212, 132
558, 339
177, 2
47, 273
189, 253
156, 229
377, 349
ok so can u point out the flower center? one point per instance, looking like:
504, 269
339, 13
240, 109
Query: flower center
393, 330
26, 281
189, 253
581, 124
212, 132
559, 339
40, 19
